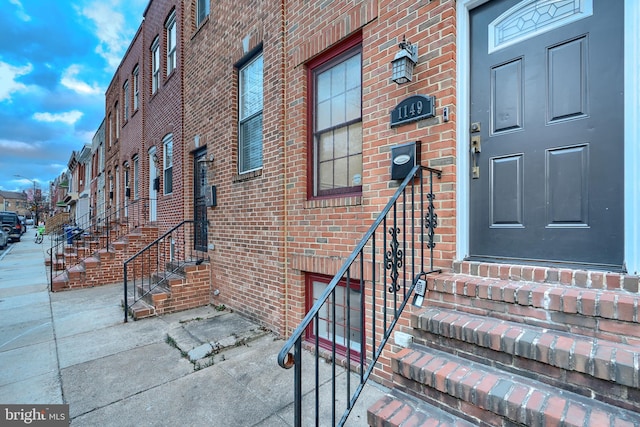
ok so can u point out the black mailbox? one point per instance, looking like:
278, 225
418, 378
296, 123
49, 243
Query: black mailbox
403, 158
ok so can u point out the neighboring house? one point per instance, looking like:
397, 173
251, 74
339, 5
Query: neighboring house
161, 155
97, 199
14, 201
234, 134
132, 93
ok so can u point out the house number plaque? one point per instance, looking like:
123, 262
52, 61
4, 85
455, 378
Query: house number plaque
412, 109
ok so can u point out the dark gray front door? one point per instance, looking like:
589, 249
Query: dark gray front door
547, 104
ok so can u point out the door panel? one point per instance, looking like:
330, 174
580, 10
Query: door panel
550, 111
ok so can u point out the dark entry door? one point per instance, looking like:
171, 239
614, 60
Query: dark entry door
199, 200
547, 109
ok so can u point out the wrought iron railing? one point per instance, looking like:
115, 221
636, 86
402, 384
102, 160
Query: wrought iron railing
92, 232
380, 274
160, 261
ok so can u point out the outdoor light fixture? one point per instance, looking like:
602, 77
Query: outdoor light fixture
404, 62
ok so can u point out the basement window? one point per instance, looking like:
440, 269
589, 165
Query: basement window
348, 321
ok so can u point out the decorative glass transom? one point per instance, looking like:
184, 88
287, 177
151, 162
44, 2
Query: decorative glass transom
532, 17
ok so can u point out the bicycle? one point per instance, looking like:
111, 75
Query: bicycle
39, 234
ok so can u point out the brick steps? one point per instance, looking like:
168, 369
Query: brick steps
77, 266
613, 362
604, 313
505, 345
398, 409
485, 395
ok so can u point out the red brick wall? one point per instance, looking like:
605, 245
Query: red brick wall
163, 113
246, 227
131, 133
319, 231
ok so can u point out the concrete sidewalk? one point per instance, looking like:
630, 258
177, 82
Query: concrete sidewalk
202, 367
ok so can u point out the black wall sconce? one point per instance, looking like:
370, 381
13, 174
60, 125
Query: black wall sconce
404, 61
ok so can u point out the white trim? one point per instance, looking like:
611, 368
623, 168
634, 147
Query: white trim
632, 136
631, 131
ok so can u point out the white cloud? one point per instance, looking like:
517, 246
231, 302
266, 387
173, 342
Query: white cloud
20, 13
110, 29
16, 146
70, 81
8, 76
69, 117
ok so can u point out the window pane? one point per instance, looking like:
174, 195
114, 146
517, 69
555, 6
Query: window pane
326, 146
338, 109
251, 144
326, 176
352, 107
323, 115
341, 142
341, 173
355, 170
324, 86
251, 88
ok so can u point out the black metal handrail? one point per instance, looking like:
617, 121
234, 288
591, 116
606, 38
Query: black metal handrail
93, 232
159, 261
383, 269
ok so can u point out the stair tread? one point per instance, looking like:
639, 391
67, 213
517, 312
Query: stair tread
517, 398
614, 307
399, 409
607, 360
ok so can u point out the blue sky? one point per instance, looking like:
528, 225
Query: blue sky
57, 58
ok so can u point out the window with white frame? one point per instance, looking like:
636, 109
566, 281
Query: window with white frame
202, 11
125, 92
155, 65
117, 114
110, 125
168, 164
136, 88
171, 43
250, 115
336, 81
136, 178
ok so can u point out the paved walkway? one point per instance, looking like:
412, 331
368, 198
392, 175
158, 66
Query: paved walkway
201, 367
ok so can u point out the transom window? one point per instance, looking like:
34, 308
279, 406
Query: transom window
155, 66
168, 164
171, 43
337, 124
250, 116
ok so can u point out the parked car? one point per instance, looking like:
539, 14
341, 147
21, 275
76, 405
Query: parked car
11, 225
4, 239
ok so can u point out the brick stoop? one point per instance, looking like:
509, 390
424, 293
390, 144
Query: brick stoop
499, 345
78, 267
186, 288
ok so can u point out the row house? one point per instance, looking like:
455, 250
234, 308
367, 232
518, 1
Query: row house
417, 190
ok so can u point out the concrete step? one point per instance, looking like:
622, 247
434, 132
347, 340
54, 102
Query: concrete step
484, 395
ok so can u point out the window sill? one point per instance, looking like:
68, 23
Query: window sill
247, 176
333, 202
